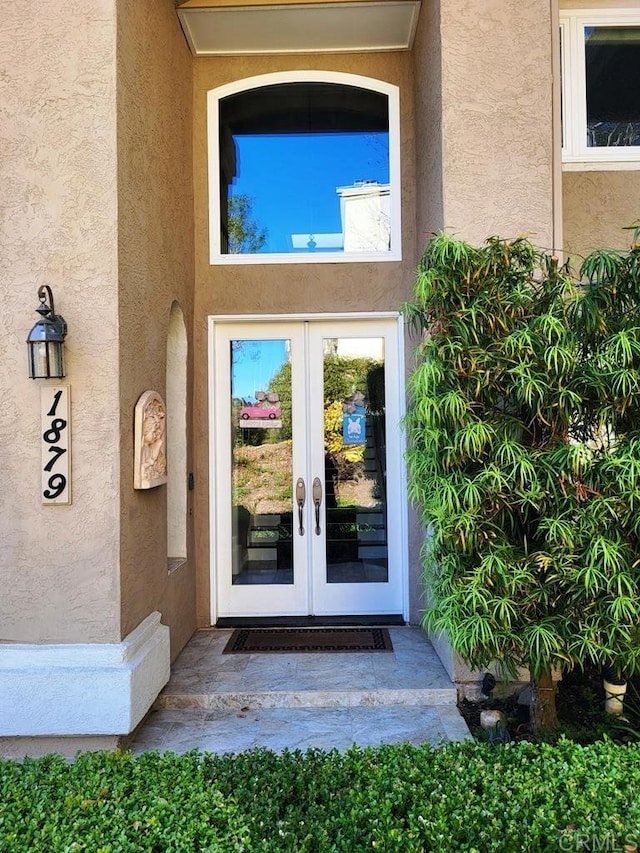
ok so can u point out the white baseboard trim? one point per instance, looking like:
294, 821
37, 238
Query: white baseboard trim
83, 689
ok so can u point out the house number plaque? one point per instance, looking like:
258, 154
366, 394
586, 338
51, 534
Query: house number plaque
56, 445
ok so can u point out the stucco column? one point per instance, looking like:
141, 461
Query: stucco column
497, 130
65, 668
59, 565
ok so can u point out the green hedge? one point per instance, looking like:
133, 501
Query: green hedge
459, 797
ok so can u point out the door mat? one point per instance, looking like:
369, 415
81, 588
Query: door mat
283, 640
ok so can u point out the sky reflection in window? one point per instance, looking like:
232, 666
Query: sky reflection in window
305, 168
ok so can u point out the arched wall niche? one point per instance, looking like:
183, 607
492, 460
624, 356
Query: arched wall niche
176, 385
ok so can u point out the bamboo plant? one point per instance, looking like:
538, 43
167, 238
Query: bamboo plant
524, 457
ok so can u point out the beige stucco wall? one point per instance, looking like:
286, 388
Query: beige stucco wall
59, 565
155, 254
290, 288
497, 101
597, 206
427, 79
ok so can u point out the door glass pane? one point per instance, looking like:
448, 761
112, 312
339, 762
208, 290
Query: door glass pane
612, 64
355, 460
261, 462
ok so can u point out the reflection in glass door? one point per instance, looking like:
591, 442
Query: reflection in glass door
261, 461
355, 460
358, 548
307, 516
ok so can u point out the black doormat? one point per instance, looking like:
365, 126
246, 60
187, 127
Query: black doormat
283, 640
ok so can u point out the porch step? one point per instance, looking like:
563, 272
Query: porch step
205, 678
229, 703
237, 701
298, 728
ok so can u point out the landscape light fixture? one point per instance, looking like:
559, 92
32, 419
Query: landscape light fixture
46, 340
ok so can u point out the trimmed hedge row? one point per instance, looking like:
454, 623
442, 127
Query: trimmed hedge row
459, 797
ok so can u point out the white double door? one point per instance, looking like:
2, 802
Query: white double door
306, 468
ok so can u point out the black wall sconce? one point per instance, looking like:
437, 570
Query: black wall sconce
46, 340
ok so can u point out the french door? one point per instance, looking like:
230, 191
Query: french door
306, 468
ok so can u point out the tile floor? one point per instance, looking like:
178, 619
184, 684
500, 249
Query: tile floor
230, 703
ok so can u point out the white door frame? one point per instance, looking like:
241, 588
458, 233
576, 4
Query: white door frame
398, 449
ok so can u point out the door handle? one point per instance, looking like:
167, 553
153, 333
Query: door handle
317, 500
301, 495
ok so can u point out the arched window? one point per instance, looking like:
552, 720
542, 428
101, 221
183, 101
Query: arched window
176, 384
304, 167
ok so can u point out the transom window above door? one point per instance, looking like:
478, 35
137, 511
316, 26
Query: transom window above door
304, 167
601, 88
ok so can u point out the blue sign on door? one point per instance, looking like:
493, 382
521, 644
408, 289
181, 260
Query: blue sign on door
354, 428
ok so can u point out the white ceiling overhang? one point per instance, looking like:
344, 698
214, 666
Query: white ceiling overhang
229, 27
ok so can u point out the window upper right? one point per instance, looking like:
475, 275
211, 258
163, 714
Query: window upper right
600, 88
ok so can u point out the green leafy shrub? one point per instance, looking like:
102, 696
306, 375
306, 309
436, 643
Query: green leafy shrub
524, 433
396, 799
108, 802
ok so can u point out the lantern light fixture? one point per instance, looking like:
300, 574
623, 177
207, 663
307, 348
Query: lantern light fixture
46, 340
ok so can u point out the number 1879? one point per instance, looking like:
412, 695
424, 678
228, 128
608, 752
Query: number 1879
55, 445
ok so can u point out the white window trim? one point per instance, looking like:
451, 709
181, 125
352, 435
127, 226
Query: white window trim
576, 156
213, 98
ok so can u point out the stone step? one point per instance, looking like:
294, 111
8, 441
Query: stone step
233, 731
408, 682
238, 700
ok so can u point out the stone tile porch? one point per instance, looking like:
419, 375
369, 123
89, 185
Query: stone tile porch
230, 703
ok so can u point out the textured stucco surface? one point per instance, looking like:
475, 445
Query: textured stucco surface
155, 254
81, 689
497, 118
96, 202
59, 565
291, 288
597, 206
427, 78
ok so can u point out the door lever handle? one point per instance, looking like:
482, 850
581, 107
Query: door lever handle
317, 500
301, 495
